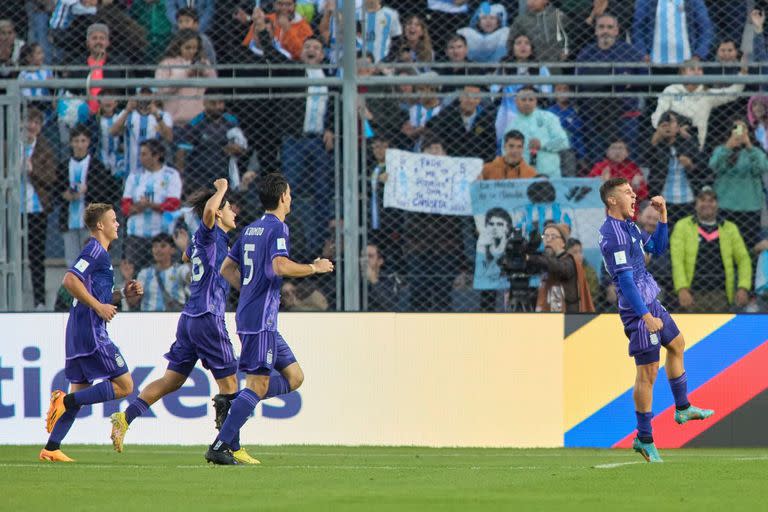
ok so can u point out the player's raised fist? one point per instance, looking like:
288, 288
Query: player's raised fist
652, 323
221, 184
323, 265
659, 203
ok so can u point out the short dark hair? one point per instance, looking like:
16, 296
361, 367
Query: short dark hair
189, 12
199, 198
607, 188
572, 242
78, 130
34, 114
456, 37
272, 188
514, 134
155, 147
163, 238
93, 214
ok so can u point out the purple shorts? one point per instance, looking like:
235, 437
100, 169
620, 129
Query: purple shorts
105, 363
264, 351
643, 346
202, 337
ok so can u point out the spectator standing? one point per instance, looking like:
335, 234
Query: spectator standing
82, 179
546, 26
183, 59
672, 31
151, 191
607, 118
141, 120
544, 134
151, 14
37, 186
740, 166
487, 33
289, 29
187, 18
203, 9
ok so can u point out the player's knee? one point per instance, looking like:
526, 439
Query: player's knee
123, 388
647, 374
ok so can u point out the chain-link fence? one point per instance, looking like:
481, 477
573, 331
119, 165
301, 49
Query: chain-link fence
130, 151
666, 139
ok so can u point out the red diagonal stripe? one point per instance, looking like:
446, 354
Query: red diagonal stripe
726, 392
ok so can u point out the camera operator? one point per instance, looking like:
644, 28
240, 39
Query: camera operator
564, 287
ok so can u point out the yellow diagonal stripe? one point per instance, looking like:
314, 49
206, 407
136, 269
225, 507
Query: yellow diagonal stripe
598, 369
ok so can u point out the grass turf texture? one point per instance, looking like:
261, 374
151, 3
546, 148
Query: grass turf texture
148, 478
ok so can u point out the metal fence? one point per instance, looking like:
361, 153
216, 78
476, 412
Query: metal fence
605, 82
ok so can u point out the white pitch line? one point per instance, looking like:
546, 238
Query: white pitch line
617, 464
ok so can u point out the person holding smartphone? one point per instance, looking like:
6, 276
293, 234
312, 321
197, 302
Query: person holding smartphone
739, 165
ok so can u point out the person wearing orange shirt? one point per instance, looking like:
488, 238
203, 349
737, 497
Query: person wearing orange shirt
511, 165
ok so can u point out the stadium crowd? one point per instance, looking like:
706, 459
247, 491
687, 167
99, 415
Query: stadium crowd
702, 147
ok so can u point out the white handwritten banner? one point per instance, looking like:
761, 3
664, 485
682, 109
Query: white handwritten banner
420, 182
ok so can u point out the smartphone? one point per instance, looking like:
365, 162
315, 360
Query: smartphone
738, 130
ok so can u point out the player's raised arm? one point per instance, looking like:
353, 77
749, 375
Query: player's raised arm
285, 267
214, 203
77, 289
659, 240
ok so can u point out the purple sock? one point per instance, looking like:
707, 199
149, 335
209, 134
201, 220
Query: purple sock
679, 388
278, 385
236, 442
101, 392
644, 431
61, 428
135, 409
242, 407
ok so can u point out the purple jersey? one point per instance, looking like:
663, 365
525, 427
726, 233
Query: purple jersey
208, 290
260, 243
85, 330
623, 247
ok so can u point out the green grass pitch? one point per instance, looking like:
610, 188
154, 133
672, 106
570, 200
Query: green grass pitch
309, 478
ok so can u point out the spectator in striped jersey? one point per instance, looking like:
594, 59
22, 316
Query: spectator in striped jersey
151, 192
33, 56
166, 284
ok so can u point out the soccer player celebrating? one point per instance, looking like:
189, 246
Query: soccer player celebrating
201, 332
256, 265
646, 323
90, 354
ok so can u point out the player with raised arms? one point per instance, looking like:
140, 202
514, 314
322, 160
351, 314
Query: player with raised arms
647, 323
256, 265
90, 353
201, 332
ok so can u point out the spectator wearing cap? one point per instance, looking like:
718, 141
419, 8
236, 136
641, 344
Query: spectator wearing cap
544, 135
487, 33
184, 59
141, 120
166, 282
711, 267
739, 166
203, 10
100, 60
